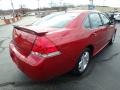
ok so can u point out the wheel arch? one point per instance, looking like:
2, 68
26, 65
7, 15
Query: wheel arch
91, 47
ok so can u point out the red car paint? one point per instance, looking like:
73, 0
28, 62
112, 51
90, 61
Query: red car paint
67, 43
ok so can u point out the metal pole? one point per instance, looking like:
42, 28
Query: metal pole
38, 8
61, 3
51, 3
91, 4
13, 8
103, 2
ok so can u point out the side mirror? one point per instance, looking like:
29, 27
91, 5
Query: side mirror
111, 23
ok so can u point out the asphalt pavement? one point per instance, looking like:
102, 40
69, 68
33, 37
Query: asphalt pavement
103, 73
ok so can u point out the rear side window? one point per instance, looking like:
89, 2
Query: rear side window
95, 20
104, 19
87, 23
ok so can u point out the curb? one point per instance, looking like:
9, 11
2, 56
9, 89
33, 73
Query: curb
9, 21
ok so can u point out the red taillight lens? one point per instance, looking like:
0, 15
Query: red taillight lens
45, 47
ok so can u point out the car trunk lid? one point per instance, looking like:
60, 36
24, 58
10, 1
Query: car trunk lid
24, 38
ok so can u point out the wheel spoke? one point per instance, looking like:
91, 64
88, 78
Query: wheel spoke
84, 61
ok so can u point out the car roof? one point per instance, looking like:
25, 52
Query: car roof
82, 11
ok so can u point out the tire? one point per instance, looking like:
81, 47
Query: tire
83, 62
112, 39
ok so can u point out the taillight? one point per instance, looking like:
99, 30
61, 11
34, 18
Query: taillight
44, 47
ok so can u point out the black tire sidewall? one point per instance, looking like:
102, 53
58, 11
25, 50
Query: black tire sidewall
111, 41
76, 70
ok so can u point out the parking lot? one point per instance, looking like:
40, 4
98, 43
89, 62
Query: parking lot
103, 73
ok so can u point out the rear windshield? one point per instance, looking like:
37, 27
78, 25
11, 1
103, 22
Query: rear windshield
58, 20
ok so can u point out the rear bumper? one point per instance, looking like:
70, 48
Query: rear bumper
38, 68
31, 67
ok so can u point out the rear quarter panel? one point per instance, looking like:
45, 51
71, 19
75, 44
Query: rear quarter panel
70, 42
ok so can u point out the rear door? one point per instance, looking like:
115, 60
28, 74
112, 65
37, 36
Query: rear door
98, 34
109, 29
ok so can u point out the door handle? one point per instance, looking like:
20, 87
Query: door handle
94, 34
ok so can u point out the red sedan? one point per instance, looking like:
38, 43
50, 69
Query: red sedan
60, 42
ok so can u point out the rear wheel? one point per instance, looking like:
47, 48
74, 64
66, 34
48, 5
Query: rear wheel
83, 62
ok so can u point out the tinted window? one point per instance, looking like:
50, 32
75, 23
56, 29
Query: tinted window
104, 19
45, 18
87, 23
56, 20
95, 20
